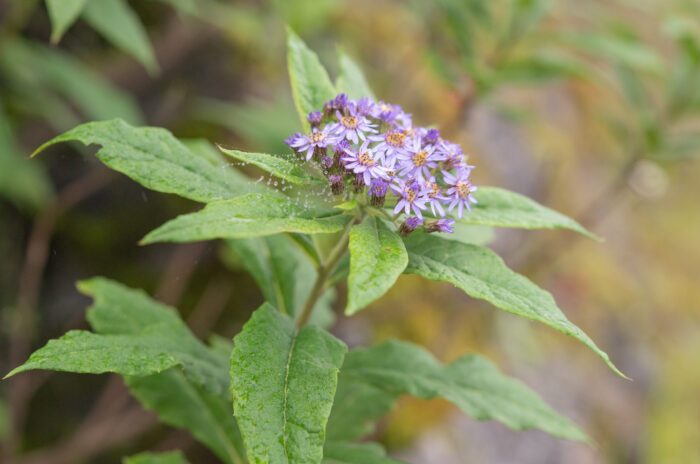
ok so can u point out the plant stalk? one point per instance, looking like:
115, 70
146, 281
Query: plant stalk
325, 269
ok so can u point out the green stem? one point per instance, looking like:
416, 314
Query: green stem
324, 271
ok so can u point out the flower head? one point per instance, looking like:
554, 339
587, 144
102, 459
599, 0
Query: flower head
441, 225
460, 192
362, 162
318, 139
409, 225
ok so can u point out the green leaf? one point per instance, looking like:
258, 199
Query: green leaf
502, 208
63, 14
311, 86
472, 383
355, 453
42, 73
482, 274
138, 336
119, 24
287, 167
246, 216
88, 353
283, 382
172, 457
351, 79
22, 181
377, 259
465, 233
276, 263
357, 407
154, 158
179, 403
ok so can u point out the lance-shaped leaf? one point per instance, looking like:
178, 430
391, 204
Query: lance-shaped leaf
119, 24
355, 453
351, 79
287, 167
482, 274
472, 383
180, 403
377, 258
276, 264
311, 86
63, 14
283, 382
502, 208
138, 336
249, 215
154, 158
172, 457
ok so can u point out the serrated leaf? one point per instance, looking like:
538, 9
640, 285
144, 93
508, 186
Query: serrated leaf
355, 453
311, 86
138, 336
472, 383
179, 403
287, 167
154, 158
283, 382
482, 274
172, 457
249, 215
120, 25
276, 264
63, 14
502, 208
351, 79
377, 258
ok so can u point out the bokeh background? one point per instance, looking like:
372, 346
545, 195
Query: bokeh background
589, 107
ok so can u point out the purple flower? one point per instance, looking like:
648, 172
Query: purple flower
436, 198
362, 162
392, 115
391, 144
413, 196
308, 143
338, 103
441, 225
315, 118
326, 162
417, 160
377, 192
431, 137
337, 185
351, 125
460, 193
409, 225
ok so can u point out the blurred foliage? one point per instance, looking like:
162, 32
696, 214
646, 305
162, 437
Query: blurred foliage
590, 107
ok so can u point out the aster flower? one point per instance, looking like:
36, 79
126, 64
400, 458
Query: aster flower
441, 225
319, 139
436, 197
418, 160
362, 162
338, 103
315, 118
352, 125
337, 185
391, 144
431, 137
413, 196
393, 115
377, 192
460, 194
409, 225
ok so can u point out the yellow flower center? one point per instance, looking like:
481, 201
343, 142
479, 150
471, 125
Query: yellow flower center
350, 122
420, 158
463, 189
317, 137
395, 139
366, 159
434, 189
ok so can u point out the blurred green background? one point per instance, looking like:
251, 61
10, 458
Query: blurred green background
589, 107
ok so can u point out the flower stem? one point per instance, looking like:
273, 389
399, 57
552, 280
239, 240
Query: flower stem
325, 269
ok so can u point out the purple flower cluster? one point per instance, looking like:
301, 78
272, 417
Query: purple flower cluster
375, 146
